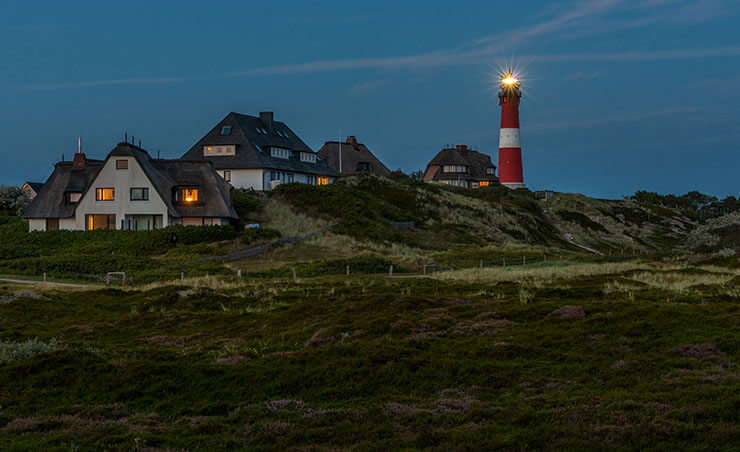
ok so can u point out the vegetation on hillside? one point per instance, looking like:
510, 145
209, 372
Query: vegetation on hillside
600, 356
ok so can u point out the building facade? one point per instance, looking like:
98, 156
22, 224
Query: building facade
130, 190
461, 166
259, 153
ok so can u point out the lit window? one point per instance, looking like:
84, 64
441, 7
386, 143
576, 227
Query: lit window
211, 151
483, 183
323, 181
139, 194
226, 130
121, 164
74, 196
105, 194
187, 195
227, 176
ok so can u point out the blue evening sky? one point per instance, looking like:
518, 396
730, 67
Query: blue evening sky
620, 95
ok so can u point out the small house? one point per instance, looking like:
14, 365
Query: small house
461, 166
347, 157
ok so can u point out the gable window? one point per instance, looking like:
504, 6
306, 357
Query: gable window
74, 196
210, 151
490, 170
139, 194
121, 164
308, 157
363, 166
226, 130
280, 153
227, 176
186, 195
105, 194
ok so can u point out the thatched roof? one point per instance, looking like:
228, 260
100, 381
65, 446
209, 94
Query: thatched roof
461, 155
353, 153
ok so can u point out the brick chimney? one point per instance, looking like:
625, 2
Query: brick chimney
79, 160
352, 140
266, 118
461, 147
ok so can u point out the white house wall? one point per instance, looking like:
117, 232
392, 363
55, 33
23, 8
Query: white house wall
122, 180
68, 224
246, 178
37, 224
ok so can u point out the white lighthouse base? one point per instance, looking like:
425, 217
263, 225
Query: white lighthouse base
513, 185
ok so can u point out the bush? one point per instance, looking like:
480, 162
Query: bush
246, 203
13, 199
18, 351
260, 234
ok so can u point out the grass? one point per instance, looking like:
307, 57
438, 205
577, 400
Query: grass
468, 359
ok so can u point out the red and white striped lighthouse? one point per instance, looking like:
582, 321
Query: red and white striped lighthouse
510, 146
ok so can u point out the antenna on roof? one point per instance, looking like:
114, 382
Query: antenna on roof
125, 137
157, 153
139, 143
79, 145
132, 139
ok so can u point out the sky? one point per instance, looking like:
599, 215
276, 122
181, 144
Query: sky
619, 95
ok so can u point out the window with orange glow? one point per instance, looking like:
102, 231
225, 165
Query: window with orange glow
323, 181
105, 194
483, 183
187, 195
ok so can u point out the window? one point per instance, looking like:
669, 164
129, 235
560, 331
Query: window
483, 183
121, 164
280, 153
323, 181
226, 130
100, 222
210, 151
311, 180
363, 166
308, 157
74, 196
139, 194
454, 169
105, 194
192, 221
52, 224
490, 170
227, 176
186, 195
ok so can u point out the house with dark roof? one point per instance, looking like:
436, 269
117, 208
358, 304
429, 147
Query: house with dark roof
347, 157
130, 190
31, 189
461, 166
259, 153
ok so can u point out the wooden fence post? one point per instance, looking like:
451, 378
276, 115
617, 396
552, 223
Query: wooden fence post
481, 264
390, 271
524, 260
44, 277
182, 276
348, 270
504, 262
293, 270
425, 268
545, 257
239, 273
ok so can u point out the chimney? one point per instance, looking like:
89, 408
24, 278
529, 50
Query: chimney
352, 140
461, 147
79, 160
266, 118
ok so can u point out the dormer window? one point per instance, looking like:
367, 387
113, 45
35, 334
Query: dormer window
363, 166
226, 130
186, 195
491, 170
74, 196
454, 169
308, 157
280, 153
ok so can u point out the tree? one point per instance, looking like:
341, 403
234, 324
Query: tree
13, 200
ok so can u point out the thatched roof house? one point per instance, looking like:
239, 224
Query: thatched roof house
462, 167
355, 157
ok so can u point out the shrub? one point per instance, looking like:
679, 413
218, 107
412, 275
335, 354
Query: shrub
246, 203
13, 199
18, 351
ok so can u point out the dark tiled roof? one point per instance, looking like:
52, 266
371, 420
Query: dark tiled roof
50, 201
253, 146
476, 161
352, 154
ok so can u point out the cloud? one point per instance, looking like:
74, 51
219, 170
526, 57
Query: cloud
91, 83
584, 75
367, 86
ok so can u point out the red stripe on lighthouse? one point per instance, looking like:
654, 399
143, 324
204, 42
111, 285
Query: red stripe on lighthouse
510, 152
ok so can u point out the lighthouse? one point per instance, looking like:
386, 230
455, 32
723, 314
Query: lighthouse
510, 146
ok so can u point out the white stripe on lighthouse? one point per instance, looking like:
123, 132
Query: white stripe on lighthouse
509, 138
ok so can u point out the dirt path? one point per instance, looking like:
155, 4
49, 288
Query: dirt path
48, 283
